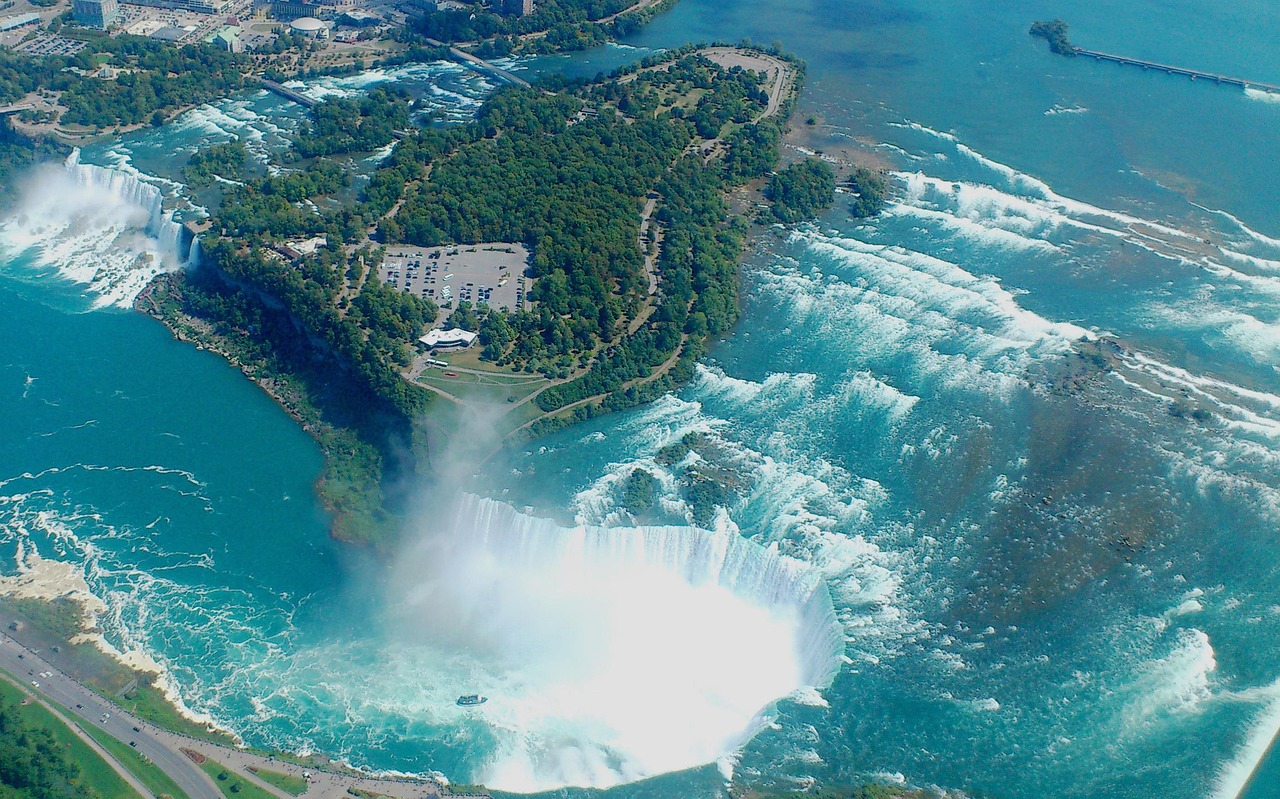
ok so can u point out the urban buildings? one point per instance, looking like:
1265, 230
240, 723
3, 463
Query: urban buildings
19, 21
99, 14
515, 8
197, 6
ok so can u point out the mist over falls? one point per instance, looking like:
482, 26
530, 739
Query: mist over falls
95, 226
612, 654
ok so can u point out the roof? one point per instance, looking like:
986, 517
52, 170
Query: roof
9, 23
359, 15
307, 24
169, 34
453, 337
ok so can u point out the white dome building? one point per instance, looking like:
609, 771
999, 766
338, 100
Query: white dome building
310, 27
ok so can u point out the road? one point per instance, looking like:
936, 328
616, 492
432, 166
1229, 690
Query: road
90, 742
164, 748
91, 710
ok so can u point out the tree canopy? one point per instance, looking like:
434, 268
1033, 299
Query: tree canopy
802, 190
32, 765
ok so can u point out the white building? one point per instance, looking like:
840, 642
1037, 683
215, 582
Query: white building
453, 338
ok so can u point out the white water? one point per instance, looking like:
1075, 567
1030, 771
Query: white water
103, 228
612, 654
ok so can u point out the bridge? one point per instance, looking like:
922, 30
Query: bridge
1194, 74
479, 63
287, 93
10, 110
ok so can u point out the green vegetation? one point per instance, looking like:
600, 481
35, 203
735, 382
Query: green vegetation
640, 492
1055, 32
41, 758
871, 192
149, 703
233, 785
285, 782
801, 191
566, 174
50, 627
21, 74
572, 193
221, 160
708, 480
568, 25
360, 434
344, 125
154, 77
146, 772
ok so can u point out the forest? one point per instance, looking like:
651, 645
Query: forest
1055, 32
801, 191
32, 765
479, 22
347, 125
870, 190
155, 77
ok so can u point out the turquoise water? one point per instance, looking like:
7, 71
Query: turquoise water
1049, 583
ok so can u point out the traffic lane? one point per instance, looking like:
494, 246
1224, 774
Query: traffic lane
90, 708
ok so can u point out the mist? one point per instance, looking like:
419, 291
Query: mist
101, 228
607, 654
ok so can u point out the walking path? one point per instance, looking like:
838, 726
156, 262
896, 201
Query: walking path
89, 708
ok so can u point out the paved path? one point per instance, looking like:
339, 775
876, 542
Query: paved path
89, 741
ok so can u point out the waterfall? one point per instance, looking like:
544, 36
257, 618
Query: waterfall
756, 574
169, 234
609, 654
104, 229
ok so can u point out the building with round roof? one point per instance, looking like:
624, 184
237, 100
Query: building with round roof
310, 27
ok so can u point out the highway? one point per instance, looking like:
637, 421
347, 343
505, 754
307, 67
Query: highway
91, 710
164, 748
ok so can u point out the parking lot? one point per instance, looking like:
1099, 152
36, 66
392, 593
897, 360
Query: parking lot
489, 274
44, 44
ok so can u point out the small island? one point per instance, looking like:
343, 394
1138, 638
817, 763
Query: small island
1055, 32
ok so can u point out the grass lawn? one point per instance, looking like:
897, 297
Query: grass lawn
94, 771
285, 782
149, 704
53, 624
232, 784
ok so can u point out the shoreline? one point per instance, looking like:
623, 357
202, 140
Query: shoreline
327, 774
157, 300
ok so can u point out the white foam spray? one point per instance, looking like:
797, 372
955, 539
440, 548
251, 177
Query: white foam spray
612, 654
104, 228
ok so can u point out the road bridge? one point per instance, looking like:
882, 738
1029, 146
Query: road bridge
1194, 74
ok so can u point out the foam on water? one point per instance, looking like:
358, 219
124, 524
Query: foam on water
106, 229
616, 653
1261, 95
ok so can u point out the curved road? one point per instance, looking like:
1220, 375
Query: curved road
164, 748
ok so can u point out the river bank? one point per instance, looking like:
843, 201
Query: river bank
178, 751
